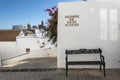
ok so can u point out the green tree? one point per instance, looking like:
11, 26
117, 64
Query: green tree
52, 24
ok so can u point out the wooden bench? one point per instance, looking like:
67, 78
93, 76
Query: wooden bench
100, 62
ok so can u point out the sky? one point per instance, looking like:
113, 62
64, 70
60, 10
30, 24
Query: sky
21, 12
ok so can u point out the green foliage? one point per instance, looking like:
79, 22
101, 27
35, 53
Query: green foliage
52, 23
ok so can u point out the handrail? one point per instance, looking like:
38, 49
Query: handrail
14, 57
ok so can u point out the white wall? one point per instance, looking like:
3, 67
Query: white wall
108, 0
7, 50
27, 42
12, 49
87, 34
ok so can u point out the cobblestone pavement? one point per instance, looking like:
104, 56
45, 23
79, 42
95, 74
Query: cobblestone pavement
58, 74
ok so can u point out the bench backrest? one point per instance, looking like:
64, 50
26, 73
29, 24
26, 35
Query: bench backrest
84, 51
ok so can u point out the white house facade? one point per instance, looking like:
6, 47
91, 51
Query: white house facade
96, 24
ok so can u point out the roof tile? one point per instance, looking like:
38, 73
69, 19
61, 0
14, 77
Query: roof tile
9, 35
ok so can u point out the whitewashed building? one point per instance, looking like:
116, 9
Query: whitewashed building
14, 43
97, 25
8, 43
40, 33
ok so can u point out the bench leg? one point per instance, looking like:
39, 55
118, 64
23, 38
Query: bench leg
100, 67
104, 70
66, 70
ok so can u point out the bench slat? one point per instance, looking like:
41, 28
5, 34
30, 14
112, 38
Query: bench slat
84, 63
84, 51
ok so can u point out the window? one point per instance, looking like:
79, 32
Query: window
113, 27
103, 23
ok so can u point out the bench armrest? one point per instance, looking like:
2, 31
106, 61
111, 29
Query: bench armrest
102, 58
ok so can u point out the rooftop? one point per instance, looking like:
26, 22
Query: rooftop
9, 35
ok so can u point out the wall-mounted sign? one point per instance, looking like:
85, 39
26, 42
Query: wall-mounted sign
71, 20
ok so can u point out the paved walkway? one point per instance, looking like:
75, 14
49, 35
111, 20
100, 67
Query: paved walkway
58, 74
35, 63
